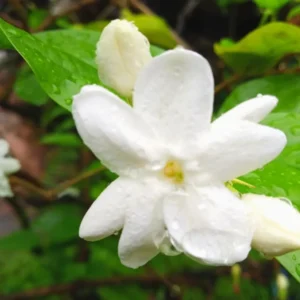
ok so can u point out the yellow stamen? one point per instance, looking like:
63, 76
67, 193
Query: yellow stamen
241, 182
174, 171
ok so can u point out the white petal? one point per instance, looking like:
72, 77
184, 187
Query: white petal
142, 224
237, 148
9, 165
209, 224
113, 131
174, 92
122, 52
253, 110
5, 190
277, 224
107, 214
3, 147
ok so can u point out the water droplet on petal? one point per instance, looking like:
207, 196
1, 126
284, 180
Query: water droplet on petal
116, 233
175, 225
286, 201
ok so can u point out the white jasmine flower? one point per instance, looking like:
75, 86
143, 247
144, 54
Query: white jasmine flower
277, 229
7, 166
173, 162
122, 52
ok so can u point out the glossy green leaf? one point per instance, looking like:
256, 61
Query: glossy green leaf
78, 43
285, 87
62, 139
271, 4
261, 49
281, 177
291, 261
59, 73
60, 67
28, 89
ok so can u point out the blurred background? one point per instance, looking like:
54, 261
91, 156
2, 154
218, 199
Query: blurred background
41, 255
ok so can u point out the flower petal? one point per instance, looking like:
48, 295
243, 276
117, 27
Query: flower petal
253, 110
9, 165
237, 148
5, 190
142, 225
209, 224
113, 131
277, 224
107, 214
174, 93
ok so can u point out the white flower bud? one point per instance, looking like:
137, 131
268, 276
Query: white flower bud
282, 283
277, 224
122, 52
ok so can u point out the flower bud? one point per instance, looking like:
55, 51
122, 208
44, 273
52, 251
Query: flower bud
282, 283
277, 224
122, 52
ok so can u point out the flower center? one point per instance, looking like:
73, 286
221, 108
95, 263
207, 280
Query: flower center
173, 171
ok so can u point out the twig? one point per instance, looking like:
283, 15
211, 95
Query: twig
146, 10
20, 10
238, 77
19, 211
224, 84
148, 280
50, 194
188, 8
52, 18
10, 20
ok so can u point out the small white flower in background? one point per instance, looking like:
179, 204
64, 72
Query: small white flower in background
277, 229
122, 52
8, 165
173, 162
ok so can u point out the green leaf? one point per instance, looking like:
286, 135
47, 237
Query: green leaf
281, 177
291, 261
81, 43
36, 17
59, 73
28, 89
271, 4
60, 67
261, 49
294, 12
62, 139
21, 240
285, 87
58, 223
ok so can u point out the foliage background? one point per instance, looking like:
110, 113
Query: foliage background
253, 47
